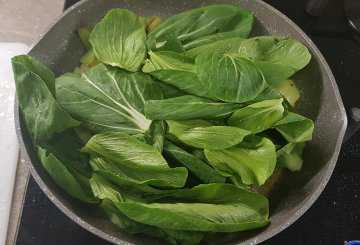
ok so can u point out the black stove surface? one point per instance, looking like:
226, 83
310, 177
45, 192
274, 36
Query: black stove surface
335, 216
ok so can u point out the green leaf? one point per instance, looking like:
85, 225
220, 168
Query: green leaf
233, 214
290, 156
295, 128
258, 116
62, 176
218, 193
84, 34
276, 50
211, 211
119, 39
172, 44
274, 73
229, 79
133, 227
226, 46
254, 161
83, 134
104, 190
35, 91
172, 236
187, 107
135, 182
278, 58
208, 137
203, 25
176, 70
23, 64
66, 148
107, 98
169, 91
121, 220
170, 61
268, 93
156, 135
211, 39
196, 166
135, 160
184, 125
199, 153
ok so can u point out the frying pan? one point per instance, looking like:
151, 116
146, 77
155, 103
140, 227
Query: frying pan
60, 49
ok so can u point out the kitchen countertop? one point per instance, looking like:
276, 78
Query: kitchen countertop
23, 21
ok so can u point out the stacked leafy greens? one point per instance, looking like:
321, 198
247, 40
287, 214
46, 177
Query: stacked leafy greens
168, 126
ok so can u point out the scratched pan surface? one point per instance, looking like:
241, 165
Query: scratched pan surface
60, 49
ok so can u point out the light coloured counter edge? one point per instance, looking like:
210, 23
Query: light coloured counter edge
39, 14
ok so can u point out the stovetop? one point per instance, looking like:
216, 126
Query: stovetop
335, 216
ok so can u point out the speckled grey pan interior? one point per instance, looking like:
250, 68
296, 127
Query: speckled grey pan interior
60, 50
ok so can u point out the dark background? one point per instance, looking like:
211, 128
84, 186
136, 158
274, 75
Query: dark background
335, 216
